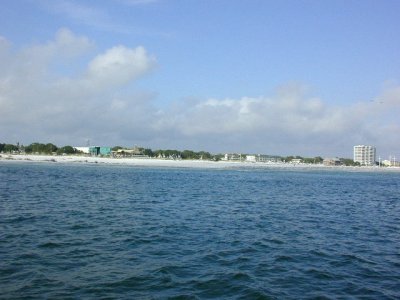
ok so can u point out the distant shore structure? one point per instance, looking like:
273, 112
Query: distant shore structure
365, 155
95, 150
83, 149
332, 161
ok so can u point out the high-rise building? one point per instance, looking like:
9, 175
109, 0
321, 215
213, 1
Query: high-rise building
365, 155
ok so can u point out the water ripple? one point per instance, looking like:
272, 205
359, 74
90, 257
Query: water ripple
106, 232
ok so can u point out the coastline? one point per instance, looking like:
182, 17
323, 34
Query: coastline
199, 164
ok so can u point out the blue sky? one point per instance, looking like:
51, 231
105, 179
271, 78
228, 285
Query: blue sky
277, 77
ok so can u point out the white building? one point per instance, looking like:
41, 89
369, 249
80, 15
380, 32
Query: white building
365, 155
83, 149
251, 158
234, 157
332, 161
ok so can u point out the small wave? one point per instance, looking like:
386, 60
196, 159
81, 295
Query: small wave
241, 276
20, 219
284, 258
319, 274
319, 253
211, 258
81, 226
4, 272
275, 241
251, 293
183, 297
351, 258
28, 256
171, 270
230, 285
50, 245
132, 282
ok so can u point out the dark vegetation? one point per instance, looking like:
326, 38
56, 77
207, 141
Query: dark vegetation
49, 148
37, 148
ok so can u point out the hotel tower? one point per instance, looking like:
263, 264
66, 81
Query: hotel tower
365, 155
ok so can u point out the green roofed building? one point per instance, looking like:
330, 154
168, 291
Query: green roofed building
95, 151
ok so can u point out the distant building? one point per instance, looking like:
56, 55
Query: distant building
296, 161
365, 155
232, 157
332, 161
95, 151
251, 158
391, 162
268, 158
83, 149
134, 152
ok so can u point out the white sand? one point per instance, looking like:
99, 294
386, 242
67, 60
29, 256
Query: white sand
154, 162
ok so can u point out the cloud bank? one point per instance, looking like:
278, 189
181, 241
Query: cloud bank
46, 95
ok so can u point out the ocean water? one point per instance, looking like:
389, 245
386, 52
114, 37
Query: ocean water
114, 232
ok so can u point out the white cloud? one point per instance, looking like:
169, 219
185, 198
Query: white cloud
37, 102
289, 122
63, 48
4, 44
118, 66
289, 115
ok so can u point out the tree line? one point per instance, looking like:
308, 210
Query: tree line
49, 148
39, 148
173, 154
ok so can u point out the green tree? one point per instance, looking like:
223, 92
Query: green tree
39, 148
308, 160
148, 152
67, 150
172, 153
288, 158
349, 162
218, 157
204, 155
189, 154
10, 148
50, 148
28, 149
313, 160
158, 153
318, 159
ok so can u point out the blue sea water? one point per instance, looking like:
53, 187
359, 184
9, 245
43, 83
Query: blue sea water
105, 232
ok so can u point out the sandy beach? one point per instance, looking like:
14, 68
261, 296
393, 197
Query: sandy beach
155, 162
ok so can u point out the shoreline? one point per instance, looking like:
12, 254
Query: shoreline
199, 164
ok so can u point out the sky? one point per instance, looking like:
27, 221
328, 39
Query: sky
288, 77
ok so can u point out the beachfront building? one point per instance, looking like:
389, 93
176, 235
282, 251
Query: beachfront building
83, 149
391, 162
103, 151
268, 158
334, 161
232, 157
296, 161
125, 152
365, 155
251, 158
261, 158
